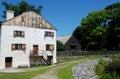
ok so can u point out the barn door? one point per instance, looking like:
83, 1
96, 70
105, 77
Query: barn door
8, 62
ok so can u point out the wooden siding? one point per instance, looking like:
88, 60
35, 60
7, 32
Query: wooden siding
73, 41
29, 19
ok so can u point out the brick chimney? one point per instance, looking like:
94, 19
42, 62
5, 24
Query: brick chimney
9, 14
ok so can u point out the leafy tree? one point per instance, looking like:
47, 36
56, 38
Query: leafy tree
100, 29
21, 7
60, 46
114, 27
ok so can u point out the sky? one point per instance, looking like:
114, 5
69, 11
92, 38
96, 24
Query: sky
65, 15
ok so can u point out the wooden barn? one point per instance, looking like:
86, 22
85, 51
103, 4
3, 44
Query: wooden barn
70, 42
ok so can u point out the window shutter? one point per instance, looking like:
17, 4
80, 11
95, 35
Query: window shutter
51, 47
22, 34
23, 46
15, 33
13, 47
52, 34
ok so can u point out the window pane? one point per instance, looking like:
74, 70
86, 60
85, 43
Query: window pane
20, 47
47, 47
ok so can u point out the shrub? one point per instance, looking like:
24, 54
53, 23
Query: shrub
113, 67
112, 75
100, 67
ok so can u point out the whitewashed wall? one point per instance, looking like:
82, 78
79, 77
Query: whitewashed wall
33, 36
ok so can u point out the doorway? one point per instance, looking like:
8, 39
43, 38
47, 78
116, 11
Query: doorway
8, 62
35, 49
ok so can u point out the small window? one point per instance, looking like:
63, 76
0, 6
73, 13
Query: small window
49, 34
19, 34
73, 47
18, 47
49, 47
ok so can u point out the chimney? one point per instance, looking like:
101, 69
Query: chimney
9, 14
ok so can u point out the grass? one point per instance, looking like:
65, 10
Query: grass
24, 75
66, 73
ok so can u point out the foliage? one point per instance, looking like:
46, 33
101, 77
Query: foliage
100, 67
113, 75
21, 7
113, 66
100, 29
60, 46
109, 70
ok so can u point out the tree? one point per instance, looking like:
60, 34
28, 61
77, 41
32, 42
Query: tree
21, 7
100, 29
113, 31
60, 46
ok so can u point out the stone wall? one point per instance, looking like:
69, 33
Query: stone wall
83, 53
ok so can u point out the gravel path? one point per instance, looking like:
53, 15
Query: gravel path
85, 70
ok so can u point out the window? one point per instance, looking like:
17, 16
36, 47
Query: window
18, 46
19, 34
73, 46
49, 47
49, 34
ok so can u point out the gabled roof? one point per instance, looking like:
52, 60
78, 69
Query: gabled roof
29, 19
64, 39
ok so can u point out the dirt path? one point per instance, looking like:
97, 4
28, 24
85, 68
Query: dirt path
51, 74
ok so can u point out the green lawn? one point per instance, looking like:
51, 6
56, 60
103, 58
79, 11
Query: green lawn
25, 75
65, 72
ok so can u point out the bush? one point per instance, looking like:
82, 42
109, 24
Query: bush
100, 67
113, 67
110, 70
112, 75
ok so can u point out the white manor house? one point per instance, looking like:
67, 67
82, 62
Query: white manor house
26, 40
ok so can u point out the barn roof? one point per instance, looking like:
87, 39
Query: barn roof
64, 39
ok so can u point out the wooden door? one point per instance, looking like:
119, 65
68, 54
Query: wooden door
35, 49
8, 62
